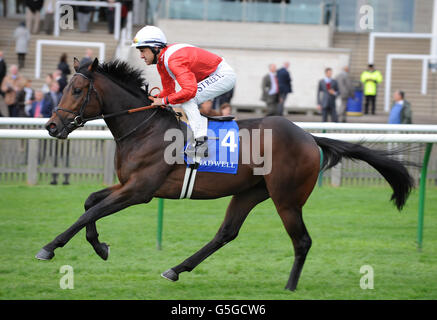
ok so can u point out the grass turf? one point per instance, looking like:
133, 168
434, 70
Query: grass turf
350, 227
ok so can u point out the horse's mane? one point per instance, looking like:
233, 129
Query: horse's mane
124, 75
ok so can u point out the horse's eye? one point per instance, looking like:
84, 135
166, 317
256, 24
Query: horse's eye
77, 91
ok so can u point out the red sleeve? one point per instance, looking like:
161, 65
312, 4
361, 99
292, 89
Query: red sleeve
186, 79
168, 84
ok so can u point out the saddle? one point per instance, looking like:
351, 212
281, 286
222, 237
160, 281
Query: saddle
219, 118
178, 115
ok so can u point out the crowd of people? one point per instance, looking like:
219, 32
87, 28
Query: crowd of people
84, 15
22, 99
333, 94
275, 87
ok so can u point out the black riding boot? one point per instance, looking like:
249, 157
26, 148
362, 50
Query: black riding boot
200, 148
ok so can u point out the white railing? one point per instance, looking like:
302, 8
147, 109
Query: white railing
431, 128
41, 122
398, 35
116, 5
431, 57
40, 43
366, 126
106, 135
390, 57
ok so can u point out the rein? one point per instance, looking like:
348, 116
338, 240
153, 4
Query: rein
79, 120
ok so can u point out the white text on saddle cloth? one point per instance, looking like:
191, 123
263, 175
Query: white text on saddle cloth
223, 153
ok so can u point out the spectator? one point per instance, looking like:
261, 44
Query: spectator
36, 106
110, 14
48, 81
400, 112
270, 91
63, 157
126, 6
49, 10
64, 66
3, 69
370, 79
224, 98
327, 92
29, 96
51, 99
346, 91
22, 37
2, 106
206, 109
20, 98
83, 17
57, 76
33, 8
285, 86
88, 56
19, 6
225, 109
10, 86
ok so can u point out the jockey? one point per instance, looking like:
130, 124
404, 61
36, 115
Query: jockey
202, 76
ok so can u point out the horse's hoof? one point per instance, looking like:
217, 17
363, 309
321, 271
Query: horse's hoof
170, 275
103, 251
43, 254
290, 288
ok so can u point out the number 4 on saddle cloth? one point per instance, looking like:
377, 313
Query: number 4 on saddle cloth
223, 147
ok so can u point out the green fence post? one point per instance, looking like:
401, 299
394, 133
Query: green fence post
320, 178
422, 195
160, 223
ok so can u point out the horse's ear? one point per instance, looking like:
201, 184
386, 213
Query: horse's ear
76, 64
93, 65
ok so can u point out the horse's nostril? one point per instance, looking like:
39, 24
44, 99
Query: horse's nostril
51, 128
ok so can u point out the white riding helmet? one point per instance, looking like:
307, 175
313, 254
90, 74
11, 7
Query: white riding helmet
149, 36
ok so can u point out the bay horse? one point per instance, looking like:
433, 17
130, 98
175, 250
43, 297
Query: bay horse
110, 90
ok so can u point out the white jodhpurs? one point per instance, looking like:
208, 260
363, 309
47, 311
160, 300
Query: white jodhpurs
220, 81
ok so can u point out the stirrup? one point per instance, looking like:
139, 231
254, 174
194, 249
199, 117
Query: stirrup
198, 149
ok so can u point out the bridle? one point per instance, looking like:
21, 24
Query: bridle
79, 120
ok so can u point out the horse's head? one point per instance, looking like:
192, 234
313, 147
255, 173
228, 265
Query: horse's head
80, 102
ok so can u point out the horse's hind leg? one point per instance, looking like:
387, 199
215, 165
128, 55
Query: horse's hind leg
290, 183
293, 223
238, 209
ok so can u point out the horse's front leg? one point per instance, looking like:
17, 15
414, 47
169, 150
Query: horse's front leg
102, 249
120, 197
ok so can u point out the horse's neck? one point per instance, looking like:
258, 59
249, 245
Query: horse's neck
117, 99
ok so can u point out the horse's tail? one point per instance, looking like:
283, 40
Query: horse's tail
392, 170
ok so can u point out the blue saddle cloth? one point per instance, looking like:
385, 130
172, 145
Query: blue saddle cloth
223, 148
